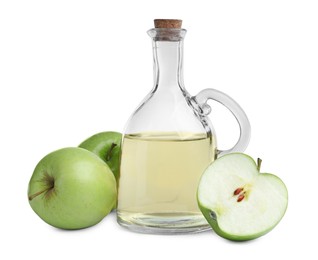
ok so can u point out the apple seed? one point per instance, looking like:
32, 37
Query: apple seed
238, 191
240, 198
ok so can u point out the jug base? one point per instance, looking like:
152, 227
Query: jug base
163, 223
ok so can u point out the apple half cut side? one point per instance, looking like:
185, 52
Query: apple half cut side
238, 201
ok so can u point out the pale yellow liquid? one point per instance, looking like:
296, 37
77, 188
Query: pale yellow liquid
159, 176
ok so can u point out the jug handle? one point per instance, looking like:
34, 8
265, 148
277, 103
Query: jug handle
204, 109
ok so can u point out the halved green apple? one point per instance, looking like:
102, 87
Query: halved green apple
238, 201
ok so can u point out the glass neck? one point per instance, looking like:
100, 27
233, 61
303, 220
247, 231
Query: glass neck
168, 61
168, 57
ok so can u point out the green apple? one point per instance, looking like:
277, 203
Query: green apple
72, 188
238, 201
107, 146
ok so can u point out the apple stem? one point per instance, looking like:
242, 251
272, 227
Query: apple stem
31, 197
109, 153
259, 163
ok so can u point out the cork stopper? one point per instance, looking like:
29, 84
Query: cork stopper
168, 23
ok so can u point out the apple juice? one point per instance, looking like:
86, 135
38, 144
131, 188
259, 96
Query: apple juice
159, 176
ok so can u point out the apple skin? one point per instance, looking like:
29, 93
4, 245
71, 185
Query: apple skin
107, 146
72, 188
211, 216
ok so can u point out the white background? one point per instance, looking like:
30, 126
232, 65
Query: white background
70, 69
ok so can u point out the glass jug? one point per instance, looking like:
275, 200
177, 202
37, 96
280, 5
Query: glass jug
168, 142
